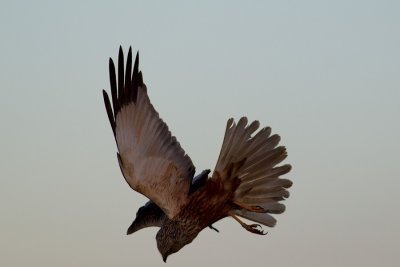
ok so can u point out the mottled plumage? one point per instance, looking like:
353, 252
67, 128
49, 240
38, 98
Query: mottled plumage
245, 183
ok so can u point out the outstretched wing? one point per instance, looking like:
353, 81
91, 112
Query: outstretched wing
151, 160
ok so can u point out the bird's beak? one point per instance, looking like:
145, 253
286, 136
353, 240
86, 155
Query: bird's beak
164, 258
132, 228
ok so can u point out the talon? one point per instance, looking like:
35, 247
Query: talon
215, 229
253, 228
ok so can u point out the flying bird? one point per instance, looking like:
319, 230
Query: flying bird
245, 183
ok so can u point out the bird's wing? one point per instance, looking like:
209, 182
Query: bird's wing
151, 159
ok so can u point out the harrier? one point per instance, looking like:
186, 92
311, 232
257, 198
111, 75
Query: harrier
245, 183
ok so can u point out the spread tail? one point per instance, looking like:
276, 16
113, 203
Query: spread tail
261, 189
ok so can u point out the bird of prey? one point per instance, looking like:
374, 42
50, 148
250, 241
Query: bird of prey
245, 183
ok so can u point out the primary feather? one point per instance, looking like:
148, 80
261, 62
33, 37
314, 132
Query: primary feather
151, 159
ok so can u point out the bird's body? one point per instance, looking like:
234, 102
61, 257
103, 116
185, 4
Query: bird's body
207, 205
245, 182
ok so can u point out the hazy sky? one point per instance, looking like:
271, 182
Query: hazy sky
325, 75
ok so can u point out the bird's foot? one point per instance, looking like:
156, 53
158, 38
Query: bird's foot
249, 227
253, 229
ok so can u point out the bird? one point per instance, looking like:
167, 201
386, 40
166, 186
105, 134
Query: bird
246, 182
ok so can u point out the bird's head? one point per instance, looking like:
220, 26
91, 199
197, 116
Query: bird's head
171, 238
148, 215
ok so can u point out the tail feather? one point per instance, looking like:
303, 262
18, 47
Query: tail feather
259, 140
265, 195
263, 218
265, 160
264, 175
234, 140
271, 206
261, 184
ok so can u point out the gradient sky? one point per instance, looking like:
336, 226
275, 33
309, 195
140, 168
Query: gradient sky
325, 75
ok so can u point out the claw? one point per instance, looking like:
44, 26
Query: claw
253, 228
212, 227
249, 227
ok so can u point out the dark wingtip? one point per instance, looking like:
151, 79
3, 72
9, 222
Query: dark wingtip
120, 73
105, 97
109, 110
111, 65
120, 54
128, 73
110, 61
140, 79
123, 82
120, 60
113, 85
136, 66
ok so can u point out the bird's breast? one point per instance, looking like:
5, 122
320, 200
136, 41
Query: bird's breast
206, 206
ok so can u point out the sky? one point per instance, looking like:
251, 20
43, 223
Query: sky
323, 74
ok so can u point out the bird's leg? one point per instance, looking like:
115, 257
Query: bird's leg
257, 209
212, 227
249, 227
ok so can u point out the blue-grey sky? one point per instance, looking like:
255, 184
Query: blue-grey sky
325, 75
